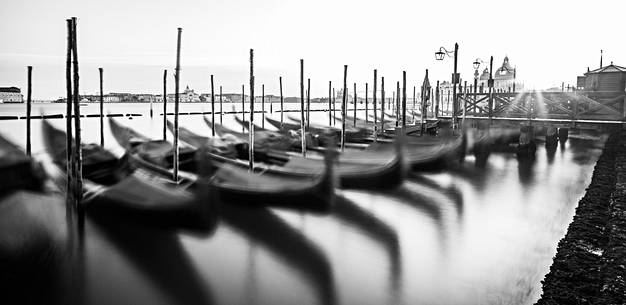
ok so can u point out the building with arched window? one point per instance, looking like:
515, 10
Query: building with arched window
504, 77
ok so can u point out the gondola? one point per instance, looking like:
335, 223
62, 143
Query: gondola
18, 170
352, 134
314, 141
356, 169
265, 140
234, 183
113, 186
33, 231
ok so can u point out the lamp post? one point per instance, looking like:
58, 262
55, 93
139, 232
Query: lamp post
476, 65
439, 55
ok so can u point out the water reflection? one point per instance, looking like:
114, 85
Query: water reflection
366, 222
550, 153
270, 231
525, 170
159, 255
33, 256
451, 191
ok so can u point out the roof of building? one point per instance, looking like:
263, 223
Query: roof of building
10, 89
485, 74
505, 71
608, 69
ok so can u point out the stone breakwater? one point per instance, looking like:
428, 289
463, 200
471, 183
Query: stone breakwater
590, 264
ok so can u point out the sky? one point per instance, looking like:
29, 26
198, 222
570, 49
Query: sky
135, 40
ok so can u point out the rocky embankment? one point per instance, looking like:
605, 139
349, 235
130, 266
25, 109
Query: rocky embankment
590, 264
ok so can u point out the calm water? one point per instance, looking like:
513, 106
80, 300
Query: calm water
462, 236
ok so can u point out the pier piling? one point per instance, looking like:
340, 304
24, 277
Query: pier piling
251, 122
243, 106
374, 102
165, 105
212, 108
280, 81
366, 110
302, 131
28, 108
176, 101
221, 109
382, 104
69, 149
343, 107
101, 71
354, 102
403, 101
78, 166
308, 104
263, 106
330, 105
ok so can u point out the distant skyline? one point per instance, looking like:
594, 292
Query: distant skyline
549, 41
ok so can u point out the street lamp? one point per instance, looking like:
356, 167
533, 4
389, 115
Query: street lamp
439, 55
477, 63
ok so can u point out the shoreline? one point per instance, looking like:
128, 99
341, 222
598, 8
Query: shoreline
589, 266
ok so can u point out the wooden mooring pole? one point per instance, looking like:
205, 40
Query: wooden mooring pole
302, 118
354, 104
490, 85
374, 92
251, 122
330, 103
263, 106
212, 108
176, 101
280, 80
343, 107
397, 105
165, 105
366, 111
403, 100
78, 166
334, 107
101, 71
243, 107
221, 109
28, 108
69, 149
382, 104
437, 101
308, 104
413, 105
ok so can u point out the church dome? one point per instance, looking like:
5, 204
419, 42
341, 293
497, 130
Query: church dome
506, 71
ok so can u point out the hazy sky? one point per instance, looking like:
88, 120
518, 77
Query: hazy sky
134, 40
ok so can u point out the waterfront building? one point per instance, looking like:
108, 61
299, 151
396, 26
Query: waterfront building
607, 86
11, 95
504, 77
111, 98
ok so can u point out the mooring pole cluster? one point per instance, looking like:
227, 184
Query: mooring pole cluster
73, 139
